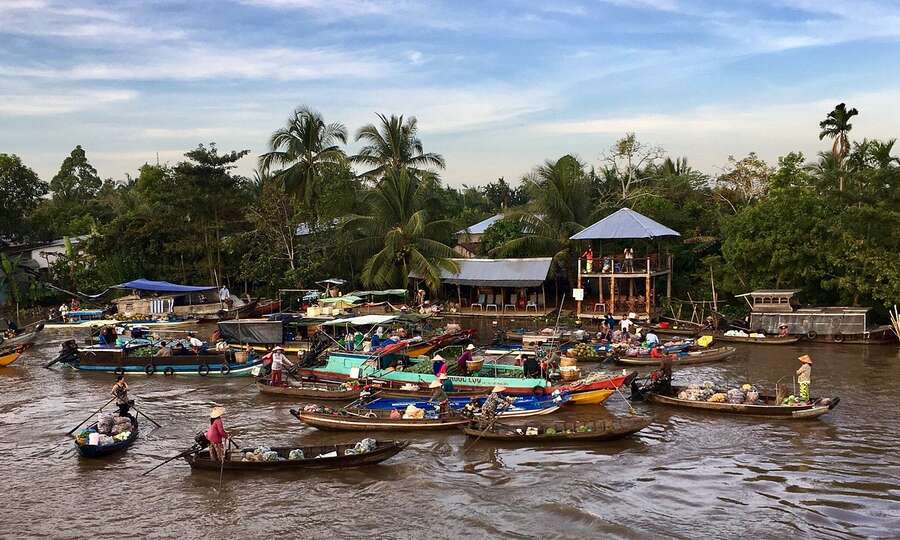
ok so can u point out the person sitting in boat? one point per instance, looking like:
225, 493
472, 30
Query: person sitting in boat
278, 362
179, 349
531, 367
439, 396
662, 377
164, 350
120, 391
216, 434
494, 403
466, 356
651, 339
438, 365
197, 346
12, 329
783, 331
804, 376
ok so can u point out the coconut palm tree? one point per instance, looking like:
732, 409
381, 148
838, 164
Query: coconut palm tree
880, 152
836, 126
394, 146
300, 151
399, 235
560, 207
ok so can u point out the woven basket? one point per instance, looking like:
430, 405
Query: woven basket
570, 375
240, 357
474, 365
567, 361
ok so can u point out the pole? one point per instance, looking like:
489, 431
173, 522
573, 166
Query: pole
192, 450
89, 417
155, 423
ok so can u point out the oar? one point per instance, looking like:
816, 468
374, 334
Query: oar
89, 417
485, 430
147, 417
222, 465
193, 450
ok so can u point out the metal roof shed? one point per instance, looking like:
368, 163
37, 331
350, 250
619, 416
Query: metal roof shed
499, 272
624, 224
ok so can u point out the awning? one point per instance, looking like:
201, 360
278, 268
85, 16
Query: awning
364, 320
256, 331
498, 272
333, 281
386, 292
348, 299
160, 287
624, 224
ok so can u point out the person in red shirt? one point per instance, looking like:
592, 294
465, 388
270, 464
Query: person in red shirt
216, 434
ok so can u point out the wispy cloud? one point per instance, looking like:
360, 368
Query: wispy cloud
43, 104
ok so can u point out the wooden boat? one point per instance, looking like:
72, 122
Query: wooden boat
768, 340
765, 407
24, 338
309, 390
385, 389
600, 430
591, 397
366, 420
135, 359
436, 342
268, 307
383, 450
520, 406
99, 451
685, 331
692, 357
8, 355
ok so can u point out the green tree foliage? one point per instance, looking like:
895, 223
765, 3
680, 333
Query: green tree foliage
498, 234
20, 192
393, 146
77, 179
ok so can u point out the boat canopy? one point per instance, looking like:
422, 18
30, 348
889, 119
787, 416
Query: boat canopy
333, 281
347, 299
256, 331
386, 292
364, 320
624, 224
160, 287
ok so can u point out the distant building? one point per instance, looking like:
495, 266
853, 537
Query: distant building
468, 240
41, 256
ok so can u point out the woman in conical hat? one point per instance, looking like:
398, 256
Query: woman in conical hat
216, 434
804, 376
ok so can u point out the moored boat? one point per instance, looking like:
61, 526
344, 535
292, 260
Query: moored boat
565, 432
22, 338
366, 420
519, 407
314, 457
591, 397
692, 357
87, 450
766, 340
310, 390
765, 406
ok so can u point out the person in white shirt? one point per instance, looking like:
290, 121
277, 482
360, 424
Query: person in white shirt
626, 324
652, 339
278, 362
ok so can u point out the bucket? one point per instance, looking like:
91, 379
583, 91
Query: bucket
94, 439
241, 357
475, 365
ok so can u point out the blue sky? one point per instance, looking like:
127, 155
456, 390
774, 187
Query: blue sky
497, 87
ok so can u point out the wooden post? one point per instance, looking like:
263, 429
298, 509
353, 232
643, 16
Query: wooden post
669, 279
647, 292
612, 294
578, 303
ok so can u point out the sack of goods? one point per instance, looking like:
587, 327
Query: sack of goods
737, 333
752, 397
362, 447
106, 422
717, 398
413, 413
123, 424
735, 396
296, 454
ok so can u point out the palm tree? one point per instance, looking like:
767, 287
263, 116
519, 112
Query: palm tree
301, 150
394, 146
836, 126
560, 207
398, 233
880, 152
10, 277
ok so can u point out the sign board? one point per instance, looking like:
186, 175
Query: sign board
354, 372
578, 294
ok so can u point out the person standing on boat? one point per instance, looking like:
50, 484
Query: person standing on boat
803, 376
438, 365
466, 356
652, 339
216, 434
783, 331
440, 397
120, 391
494, 403
278, 362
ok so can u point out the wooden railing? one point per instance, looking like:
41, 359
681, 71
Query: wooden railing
620, 265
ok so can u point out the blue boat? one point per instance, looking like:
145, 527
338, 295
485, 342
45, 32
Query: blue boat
520, 406
98, 451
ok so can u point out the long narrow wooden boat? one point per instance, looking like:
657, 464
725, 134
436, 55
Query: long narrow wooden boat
765, 406
131, 359
591, 397
315, 457
692, 357
595, 430
309, 390
768, 340
675, 331
99, 451
268, 307
436, 342
25, 338
365, 420
8, 355
520, 407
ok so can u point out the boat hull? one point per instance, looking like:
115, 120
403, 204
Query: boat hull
787, 412
334, 422
383, 451
601, 431
308, 390
699, 357
93, 451
772, 340
591, 397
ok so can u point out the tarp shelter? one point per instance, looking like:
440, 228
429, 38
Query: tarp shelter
624, 224
333, 281
499, 272
163, 287
255, 331
364, 320
386, 292
347, 300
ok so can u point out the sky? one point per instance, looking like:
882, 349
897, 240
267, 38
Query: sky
497, 87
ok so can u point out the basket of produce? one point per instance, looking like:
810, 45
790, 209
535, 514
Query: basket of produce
241, 357
474, 365
567, 361
584, 352
569, 373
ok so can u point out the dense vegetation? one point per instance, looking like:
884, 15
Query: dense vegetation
830, 226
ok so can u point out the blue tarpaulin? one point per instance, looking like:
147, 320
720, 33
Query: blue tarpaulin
161, 287
624, 224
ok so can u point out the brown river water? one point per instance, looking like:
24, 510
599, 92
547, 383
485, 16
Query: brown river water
688, 475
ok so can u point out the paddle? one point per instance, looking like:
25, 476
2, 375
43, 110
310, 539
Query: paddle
485, 430
89, 417
147, 417
193, 450
222, 464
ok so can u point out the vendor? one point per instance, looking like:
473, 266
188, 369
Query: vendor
278, 362
466, 356
164, 349
120, 391
216, 434
438, 365
652, 339
494, 403
440, 397
531, 367
803, 376
783, 330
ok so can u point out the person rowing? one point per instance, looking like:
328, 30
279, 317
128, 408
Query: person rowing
494, 403
278, 362
440, 397
216, 434
120, 391
804, 374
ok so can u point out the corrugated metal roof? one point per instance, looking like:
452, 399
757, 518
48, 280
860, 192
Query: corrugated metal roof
624, 224
499, 272
481, 226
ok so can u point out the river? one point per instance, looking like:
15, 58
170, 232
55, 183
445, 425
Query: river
689, 475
